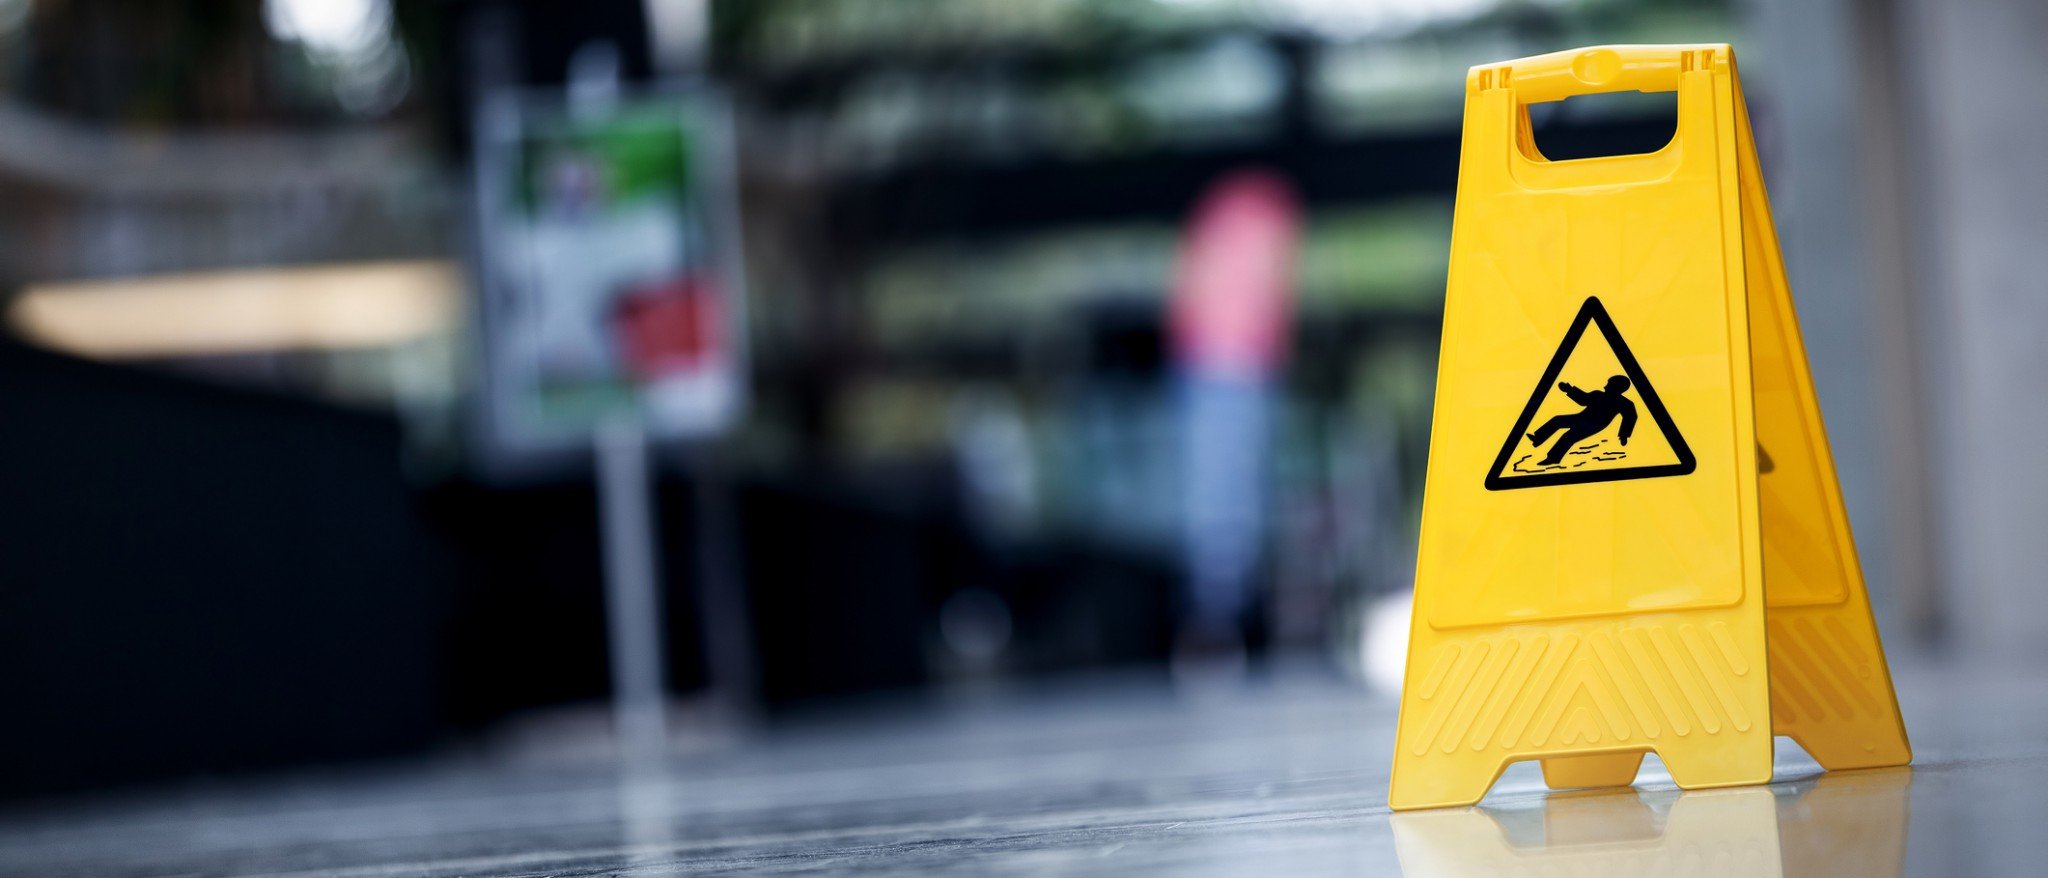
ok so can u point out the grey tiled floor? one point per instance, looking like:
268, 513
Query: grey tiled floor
1105, 776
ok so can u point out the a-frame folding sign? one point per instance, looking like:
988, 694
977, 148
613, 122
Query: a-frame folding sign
1632, 536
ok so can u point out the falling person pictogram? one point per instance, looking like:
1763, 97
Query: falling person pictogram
1598, 409
1589, 445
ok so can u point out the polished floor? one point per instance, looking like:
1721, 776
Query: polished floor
1106, 776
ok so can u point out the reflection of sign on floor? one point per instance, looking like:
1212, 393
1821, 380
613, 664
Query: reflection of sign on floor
1834, 824
1569, 434
1704, 833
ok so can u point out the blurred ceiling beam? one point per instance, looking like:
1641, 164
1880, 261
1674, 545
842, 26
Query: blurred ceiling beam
97, 160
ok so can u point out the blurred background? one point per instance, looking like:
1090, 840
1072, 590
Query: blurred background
949, 343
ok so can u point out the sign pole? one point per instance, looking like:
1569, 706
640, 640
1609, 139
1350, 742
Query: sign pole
632, 601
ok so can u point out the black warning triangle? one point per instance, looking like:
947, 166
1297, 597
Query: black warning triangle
1501, 478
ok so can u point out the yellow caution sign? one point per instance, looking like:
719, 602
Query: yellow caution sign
1633, 540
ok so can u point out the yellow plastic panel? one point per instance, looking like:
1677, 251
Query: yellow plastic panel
1590, 583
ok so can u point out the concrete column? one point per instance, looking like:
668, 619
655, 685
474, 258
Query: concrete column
1972, 74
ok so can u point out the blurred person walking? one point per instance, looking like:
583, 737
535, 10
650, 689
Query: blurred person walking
1230, 321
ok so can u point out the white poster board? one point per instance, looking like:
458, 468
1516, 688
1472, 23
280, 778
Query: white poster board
609, 271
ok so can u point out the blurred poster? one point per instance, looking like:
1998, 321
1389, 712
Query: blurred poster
607, 254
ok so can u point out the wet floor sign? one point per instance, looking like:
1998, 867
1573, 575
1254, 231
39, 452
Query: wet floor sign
1632, 540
